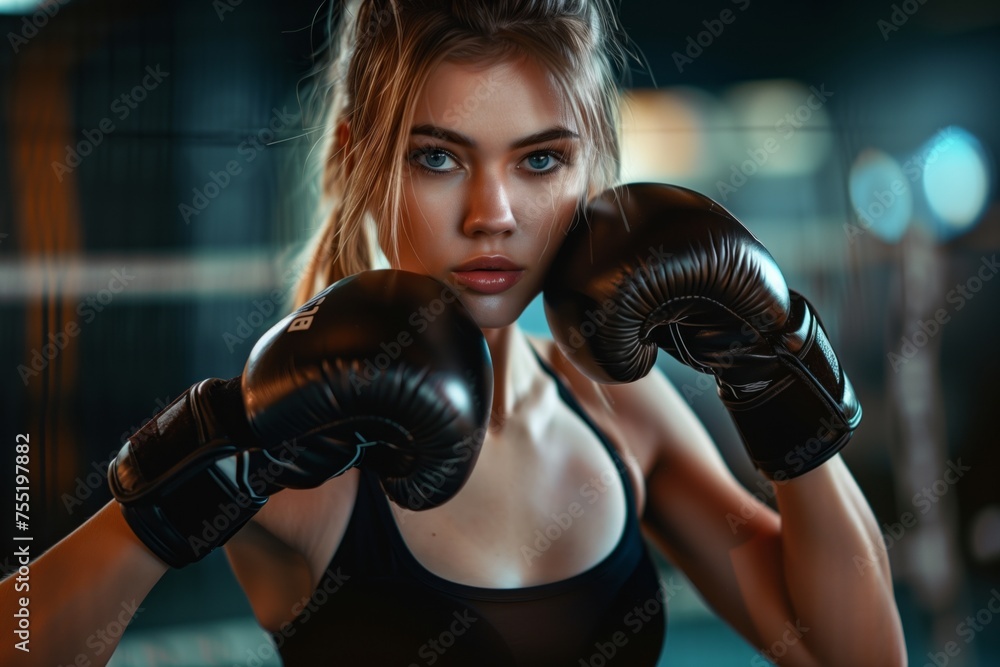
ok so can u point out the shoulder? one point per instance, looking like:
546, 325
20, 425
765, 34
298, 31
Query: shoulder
661, 428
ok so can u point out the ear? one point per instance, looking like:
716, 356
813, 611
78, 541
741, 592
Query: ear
343, 134
343, 139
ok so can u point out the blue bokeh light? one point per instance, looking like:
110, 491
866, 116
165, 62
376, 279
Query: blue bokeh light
881, 195
956, 181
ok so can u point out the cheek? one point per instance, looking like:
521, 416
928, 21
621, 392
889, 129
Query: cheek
426, 211
549, 209
431, 202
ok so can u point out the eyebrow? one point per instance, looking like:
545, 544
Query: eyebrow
462, 140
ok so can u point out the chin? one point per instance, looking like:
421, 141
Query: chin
494, 311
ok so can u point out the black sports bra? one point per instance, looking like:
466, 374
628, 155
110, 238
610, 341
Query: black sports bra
376, 605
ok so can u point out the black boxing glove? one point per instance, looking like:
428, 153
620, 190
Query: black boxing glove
648, 266
356, 376
387, 358
188, 479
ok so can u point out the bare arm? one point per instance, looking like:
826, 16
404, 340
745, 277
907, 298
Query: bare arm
92, 579
833, 570
790, 583
280, 556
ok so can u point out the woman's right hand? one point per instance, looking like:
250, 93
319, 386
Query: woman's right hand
384, 369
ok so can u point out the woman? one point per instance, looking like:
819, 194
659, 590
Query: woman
471, 132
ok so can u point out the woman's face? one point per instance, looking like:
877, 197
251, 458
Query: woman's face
494, 174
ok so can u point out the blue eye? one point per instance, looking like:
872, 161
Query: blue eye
544, 162
433, 159
436, 160
540, 161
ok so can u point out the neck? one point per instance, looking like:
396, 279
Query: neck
514, 369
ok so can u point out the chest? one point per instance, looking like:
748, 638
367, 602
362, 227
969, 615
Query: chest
545, 501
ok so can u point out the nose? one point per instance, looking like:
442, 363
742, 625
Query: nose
489, 212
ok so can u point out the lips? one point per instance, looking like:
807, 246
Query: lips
488, 263
488, 274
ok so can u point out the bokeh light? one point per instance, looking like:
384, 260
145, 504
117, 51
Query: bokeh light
880, 194
19, 6
666, 133
788, 118
955, 179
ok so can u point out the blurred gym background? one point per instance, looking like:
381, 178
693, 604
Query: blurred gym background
156, 184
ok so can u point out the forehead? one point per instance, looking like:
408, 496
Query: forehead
504, 100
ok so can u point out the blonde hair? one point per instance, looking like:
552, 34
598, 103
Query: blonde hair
381, 54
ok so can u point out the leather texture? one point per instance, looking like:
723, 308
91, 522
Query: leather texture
384, 369
650, 266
